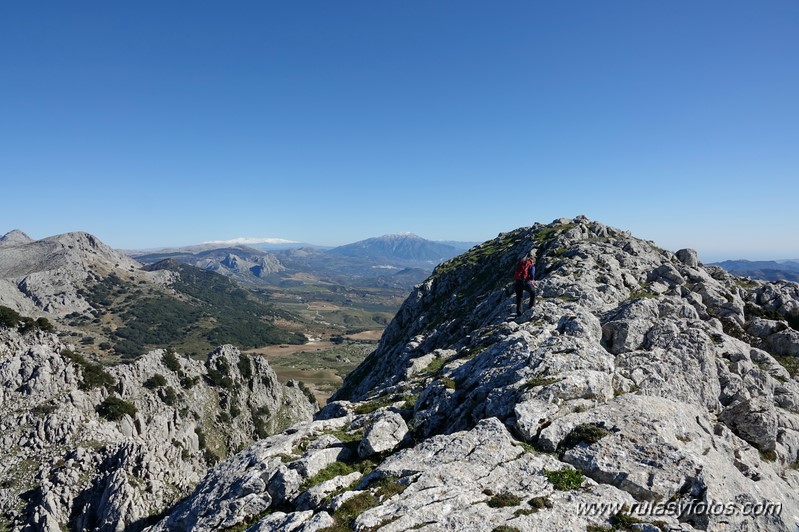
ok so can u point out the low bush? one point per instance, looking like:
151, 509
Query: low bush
115, 408
565, 479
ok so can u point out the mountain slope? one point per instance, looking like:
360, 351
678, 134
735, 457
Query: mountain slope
43, 276
116, 309
640, 378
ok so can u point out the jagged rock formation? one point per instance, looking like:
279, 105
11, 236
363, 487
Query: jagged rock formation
91, 448
641, 377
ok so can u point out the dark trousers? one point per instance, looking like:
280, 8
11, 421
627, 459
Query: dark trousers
520, 287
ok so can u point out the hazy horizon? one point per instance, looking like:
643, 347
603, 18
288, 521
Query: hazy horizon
245, 241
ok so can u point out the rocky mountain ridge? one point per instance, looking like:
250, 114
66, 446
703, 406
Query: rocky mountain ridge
44, 276
115, 308
641, 378
87, 447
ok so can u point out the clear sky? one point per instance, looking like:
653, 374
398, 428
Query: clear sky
153, 124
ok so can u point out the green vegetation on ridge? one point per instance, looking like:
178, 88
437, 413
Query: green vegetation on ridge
206, 310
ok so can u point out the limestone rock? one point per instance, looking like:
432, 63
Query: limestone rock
641, 377
97, 465
383, 434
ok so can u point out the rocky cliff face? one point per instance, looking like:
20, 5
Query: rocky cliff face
91, 448
640, 378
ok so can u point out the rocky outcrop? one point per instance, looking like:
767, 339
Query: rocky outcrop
88, 447
642, 387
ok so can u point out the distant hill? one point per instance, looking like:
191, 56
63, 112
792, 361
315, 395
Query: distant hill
405, 246
767, 270
242, 263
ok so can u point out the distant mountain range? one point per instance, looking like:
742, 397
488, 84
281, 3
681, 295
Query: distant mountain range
109, 304
279, 244
404, 246
398, 260
767, 270
242, 263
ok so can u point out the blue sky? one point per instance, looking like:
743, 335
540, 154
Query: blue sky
162, 123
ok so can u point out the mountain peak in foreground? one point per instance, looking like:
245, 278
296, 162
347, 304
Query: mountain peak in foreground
642, 381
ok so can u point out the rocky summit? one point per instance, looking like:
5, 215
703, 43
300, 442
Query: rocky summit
644, 391
88, 447
44, 276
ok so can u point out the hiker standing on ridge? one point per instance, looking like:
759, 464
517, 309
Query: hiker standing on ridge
523, 277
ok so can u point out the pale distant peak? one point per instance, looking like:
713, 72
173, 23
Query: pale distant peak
247, 240
16, 236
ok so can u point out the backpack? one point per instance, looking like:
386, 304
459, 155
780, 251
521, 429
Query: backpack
522, 272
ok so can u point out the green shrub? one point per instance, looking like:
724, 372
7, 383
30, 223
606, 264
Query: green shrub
156, 381
9, 317
539, 503
623, 521
260, 421
245, 367
307, 392
115, 408
168, 395
504, 500
565, 479
187, 383
589, 433
170, 360
94, 376
336, 469
387, 487
219, 374
12, 319
347, 513
44, 325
